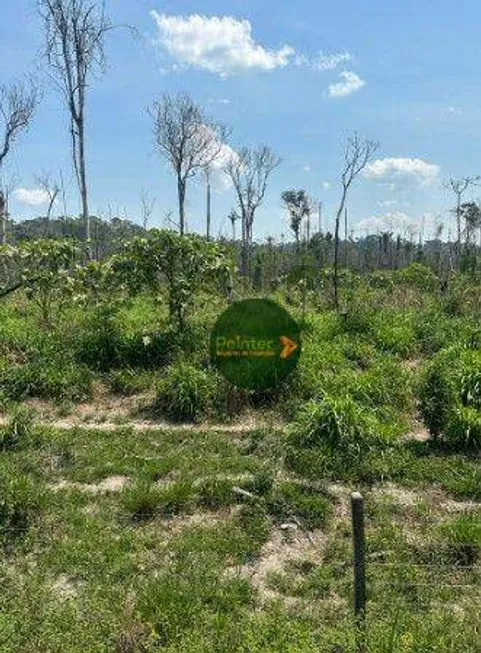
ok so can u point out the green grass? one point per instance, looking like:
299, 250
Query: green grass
164, 563
226, 540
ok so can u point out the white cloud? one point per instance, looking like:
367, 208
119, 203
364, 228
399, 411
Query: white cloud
306, 168
350, 84
384, 204
330, 61
403, 169
219, 44
326, 185
220, 180
396, 222
213, 100
453, 110
31, 196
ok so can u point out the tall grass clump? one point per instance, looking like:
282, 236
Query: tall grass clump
330, 436
449, 396
18, 430
186, 393
20, 501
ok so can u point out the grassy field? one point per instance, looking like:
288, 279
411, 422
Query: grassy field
201, 540
147, 506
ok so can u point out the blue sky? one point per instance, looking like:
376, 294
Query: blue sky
297, 76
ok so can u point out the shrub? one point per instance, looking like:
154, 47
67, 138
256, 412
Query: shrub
186, 392
418, 276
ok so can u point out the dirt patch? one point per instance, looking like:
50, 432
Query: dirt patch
285, 544
64, 587
400, 494
438, 500
118, 414
109, 484
418, 433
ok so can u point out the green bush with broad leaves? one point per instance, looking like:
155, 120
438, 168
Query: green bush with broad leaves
178, 265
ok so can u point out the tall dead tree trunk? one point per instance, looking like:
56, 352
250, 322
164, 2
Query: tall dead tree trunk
74, 47
357, 154
249, 171
17, 105
3, 219
459, 187
188, 139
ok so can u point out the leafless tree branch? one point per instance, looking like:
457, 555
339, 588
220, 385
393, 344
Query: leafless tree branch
188, 139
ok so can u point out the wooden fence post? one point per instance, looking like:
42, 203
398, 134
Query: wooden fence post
357, 512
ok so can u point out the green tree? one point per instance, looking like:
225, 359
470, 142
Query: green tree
298, 205
178, 265
44, 269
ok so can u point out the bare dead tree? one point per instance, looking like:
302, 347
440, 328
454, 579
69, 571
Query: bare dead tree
148, 204
208, 216
74, 47
51, 189
357, 154
249, 171
458, 186
17, 106
187, 138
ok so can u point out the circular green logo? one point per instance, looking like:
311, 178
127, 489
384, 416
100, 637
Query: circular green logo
255, 344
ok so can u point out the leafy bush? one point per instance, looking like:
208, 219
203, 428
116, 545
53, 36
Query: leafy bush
186, 392
418, 276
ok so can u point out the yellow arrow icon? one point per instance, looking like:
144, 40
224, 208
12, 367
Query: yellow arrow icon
289, 346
